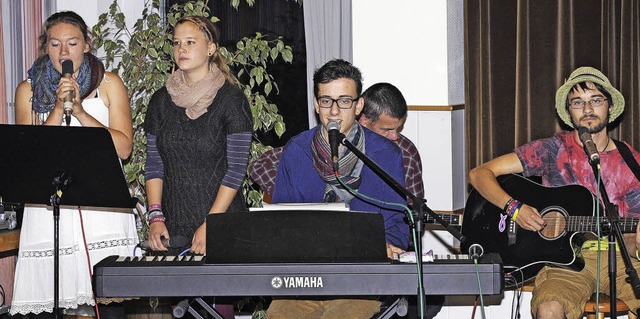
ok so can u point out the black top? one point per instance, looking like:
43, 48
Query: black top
194, 154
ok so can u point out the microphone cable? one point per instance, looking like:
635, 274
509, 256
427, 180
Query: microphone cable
86, 249
374, 201
517, 292
475, 263
184, 252
598, 235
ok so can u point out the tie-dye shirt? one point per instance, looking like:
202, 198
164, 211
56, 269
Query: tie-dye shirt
560, 160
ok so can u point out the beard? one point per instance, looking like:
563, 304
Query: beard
593, 129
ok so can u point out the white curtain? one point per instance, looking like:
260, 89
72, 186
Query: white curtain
327, 28
21, 26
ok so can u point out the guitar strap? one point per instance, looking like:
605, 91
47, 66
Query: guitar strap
628, 158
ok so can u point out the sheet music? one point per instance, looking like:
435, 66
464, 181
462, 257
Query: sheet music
429, 256
302, 206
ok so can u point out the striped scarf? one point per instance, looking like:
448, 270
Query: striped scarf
44, 80
349, 164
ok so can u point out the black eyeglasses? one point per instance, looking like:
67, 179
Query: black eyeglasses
342, 102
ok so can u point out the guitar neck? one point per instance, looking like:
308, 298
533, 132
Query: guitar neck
590, 224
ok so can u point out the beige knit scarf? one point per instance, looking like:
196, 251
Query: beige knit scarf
197, 97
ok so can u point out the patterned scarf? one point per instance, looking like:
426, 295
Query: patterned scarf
44, 80
197, 97
350, 165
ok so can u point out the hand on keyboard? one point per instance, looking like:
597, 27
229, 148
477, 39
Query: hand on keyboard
199, 243
393, 252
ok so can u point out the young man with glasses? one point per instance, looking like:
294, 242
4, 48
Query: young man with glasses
587, 99
305, 175
384, 112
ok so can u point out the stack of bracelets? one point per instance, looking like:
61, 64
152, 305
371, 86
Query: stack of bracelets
155, 214
512, 208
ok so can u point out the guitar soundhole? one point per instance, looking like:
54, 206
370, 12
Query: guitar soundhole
556, 224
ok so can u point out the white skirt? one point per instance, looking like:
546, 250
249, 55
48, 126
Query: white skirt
108, 232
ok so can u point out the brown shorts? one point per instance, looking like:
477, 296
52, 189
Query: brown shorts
326, 309
573, 289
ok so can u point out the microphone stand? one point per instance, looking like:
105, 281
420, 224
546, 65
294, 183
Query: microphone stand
612, 223
418, 211
60, 182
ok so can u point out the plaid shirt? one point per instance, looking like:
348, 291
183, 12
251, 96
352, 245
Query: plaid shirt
265, 168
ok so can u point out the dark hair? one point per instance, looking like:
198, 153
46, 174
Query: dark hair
68, 17
336, 69
212, 34
383, 98
584, 87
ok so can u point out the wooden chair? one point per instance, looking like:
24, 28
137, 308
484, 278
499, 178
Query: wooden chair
590, 308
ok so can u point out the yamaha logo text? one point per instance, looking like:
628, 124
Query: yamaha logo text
297, 282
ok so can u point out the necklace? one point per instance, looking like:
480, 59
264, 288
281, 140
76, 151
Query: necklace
605, 147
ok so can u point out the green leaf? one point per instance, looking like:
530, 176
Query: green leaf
279, 128
153, 53
287, 55
267, 88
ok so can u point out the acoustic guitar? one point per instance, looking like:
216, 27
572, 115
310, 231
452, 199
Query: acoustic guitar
569, 212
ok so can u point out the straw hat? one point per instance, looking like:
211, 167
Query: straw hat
588, 74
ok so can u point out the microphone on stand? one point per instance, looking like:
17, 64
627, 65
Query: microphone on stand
333, 128
67, 71
589, 145
173, 242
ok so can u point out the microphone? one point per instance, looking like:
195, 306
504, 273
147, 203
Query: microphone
67, 71
589, 146
476, 251
173, 242
334, 141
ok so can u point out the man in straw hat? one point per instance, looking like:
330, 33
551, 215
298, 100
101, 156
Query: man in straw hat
587, 100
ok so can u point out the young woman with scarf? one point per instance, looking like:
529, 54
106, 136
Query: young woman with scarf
87, 235
199, 128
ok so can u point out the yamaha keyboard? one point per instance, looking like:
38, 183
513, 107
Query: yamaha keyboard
189, 276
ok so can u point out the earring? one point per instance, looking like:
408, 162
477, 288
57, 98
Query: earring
210, 53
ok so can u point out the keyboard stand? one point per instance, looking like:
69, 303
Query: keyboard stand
184, 306
397, 307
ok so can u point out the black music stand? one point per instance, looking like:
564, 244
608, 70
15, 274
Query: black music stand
56, 165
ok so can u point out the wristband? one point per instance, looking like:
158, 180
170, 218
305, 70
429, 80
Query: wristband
513, 206
156, 219
515, 214
154, 213
155, 207
506, 206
